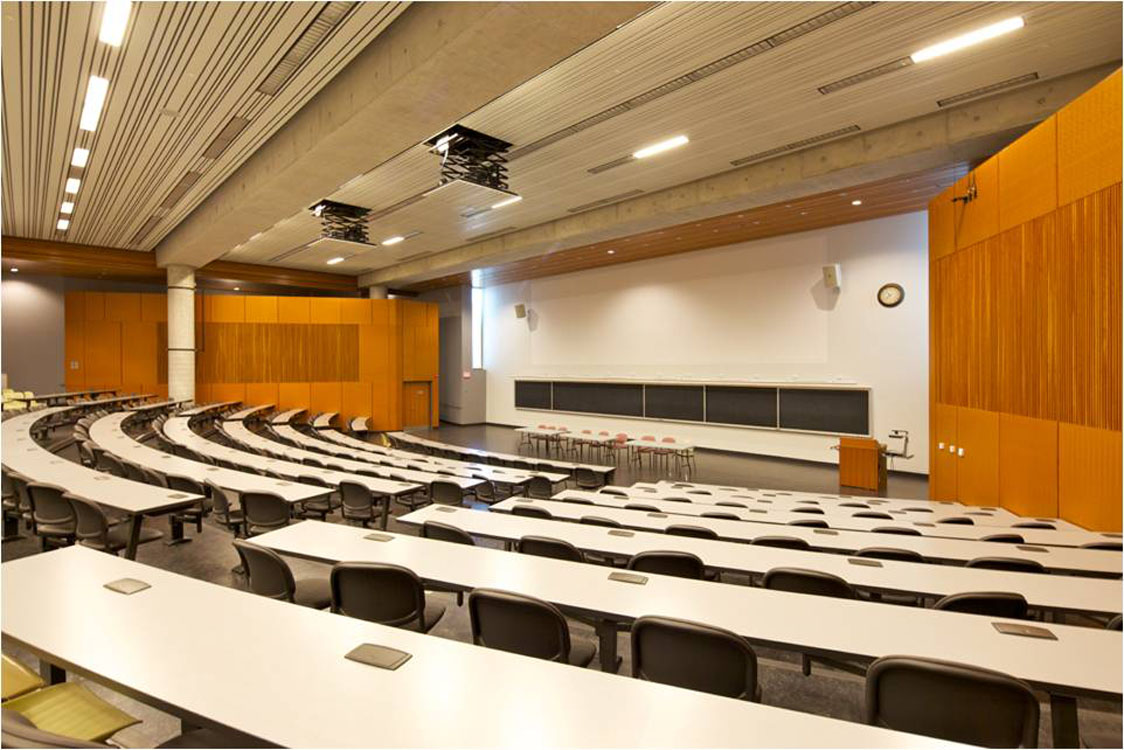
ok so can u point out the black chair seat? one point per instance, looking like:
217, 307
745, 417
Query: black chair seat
434, 611
313, 592
119, 536
582, 653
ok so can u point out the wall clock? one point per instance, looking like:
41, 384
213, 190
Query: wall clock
891, 295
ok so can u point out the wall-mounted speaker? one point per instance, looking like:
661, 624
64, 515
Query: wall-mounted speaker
520, 311
833, 276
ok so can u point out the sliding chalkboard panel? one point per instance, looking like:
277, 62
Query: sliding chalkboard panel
532, 394
674, 402
727, 404
826, 410
623, 399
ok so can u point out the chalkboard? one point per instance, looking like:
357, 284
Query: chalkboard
741, 405
532, 394
826, 410
624, 399
674, 402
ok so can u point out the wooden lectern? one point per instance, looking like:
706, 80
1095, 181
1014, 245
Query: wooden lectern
862, 464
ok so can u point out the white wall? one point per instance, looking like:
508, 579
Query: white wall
33, 333
756, 310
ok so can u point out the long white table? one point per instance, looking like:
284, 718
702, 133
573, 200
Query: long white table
24, 456
109, 434
62, 396
1080, 662
566, 466
1059, 559
248, 412
153, 405
1054, 593
280, 676
324, 421
358, 424
928, 524
242, 434
201, 409
286, 416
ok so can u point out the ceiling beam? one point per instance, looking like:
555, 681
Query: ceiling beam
966, 133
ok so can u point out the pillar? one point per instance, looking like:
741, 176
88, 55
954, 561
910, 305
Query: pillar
376, 292
181, 333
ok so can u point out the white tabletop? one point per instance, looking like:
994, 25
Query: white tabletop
115, 400
207, 408
1058, 593
928, 524
1065, 559
108, 434
290, 685
658, 444
563, 465
169, 404
286, 416
358, 424
62, 394
324, 421
543, 431
1082, 661
249, 411
178, 431
27, 458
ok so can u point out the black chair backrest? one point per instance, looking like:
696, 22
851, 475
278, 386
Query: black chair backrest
802, 581
523, 509
613, 491
600, 521
185, 484
579, 500
1015, 564
684, 529
668, 563
220, 499
731, 504
641, 506
518, 624
992, 603
724, 516
918, 510
544, 546
91, 525
809, 509
378, 592
134, 472
899, 530
693, 656
951, 701
1113, 546
890, 553
48, 506
958, 520
1034, 525
155, 478
540, 487
853, 505
675, 499
264, 510
268, 573
445, 533
1114, 623
787, 542
872, 514
356, 498
445, 493
587, 478
814, 523
485, 490
1003, 538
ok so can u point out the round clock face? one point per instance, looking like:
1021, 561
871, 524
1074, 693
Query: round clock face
891, 295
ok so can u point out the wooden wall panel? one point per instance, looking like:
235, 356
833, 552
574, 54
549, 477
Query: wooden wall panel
261, 393
154, 308
355, 400
123, 308
355, 311
970, 296
103, 353
292, 310
1028, 465
942, 461
1089, 476
324, 310
95, 306
324, 397
1089, 150
261, 309
139, 353
226, 308
977, 473
942, 230
74, 352
1028, 176
978, 219
292, 396
228, 392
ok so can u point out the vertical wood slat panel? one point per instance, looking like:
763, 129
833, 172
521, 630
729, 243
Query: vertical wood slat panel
977, 219
1028, 465
1028, 176
1089, 476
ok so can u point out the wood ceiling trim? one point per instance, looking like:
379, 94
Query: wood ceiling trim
889, 197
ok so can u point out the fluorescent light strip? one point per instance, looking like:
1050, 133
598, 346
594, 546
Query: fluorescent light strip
659, 148
81, 157
67, 207
392, 240
72, 185
336, 260
63, 224
96, 90
508, 201
967, 40
114, 21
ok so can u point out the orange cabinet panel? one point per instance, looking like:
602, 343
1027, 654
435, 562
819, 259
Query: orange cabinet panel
261, 309
1089, 476
292, 310
292, 396
942, 235
1028, 176
1028, 465
258, 394
416, 404
324, 397
355, 311
139, 353
942, 453
1089, 141
154, 308
977, 472
75, 307
355, 400
226, 308
74, 363
977, 219
103, 353
228, 392
123, 307
95, 305
324, 310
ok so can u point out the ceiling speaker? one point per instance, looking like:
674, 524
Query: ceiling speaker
520, 311
833, 276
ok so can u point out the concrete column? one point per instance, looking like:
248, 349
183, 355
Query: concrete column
181, 332
376, 292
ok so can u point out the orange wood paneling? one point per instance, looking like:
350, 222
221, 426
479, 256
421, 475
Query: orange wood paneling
103, 353
861, 464
978, 469
415, 404
1028, 465
943, 462
228, 392
261, 309
1028, 176
139, 353
1089, 476
355, 400
292, 396
203, 393
154, 308
942, 231
226, 308
258, 394
292, 310
355, 311
1089, 149
74, 352
123, 308
978, 219
324, 310
324, 397
970, 327
95, 306
74, 309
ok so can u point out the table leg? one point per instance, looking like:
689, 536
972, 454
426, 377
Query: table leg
607, 645
51, 674
134, 536
176, 536
385, 512
11, 527
1063, 718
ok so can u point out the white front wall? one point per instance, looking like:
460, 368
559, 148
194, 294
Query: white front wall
756, 310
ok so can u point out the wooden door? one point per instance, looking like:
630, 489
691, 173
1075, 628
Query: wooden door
1028, 465
942, 447
978, 456
415, 404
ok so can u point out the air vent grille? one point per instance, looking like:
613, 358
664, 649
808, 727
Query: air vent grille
866, 75
225, 137
985, 90
604, 201
304, 46
611, 164
180, 190
705, 71
795, 145
145, 229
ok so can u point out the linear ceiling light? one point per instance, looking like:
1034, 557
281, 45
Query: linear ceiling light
67, 207
80, 158
659, 148
63, 224
508, 201
967, 40
72, 185
392, 240
96, 90
114, 20
334, 261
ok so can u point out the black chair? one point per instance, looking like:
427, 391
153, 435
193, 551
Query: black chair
533, 511
890, 553
315, 507
1014, 564
813, 523
588, 479
1034, 525
950, 701
135, 473
383, 593
52, 515
1003, 538
694, 656
641, 506
111, 465
485, 492
675, 499
578, 500
900, 531
817, 583
810, 510
668, 563
785, 542
411, 500
544, 546
613, 491
722, 515
1111, 546
958, 521
540, 488
358, 504
991, 603
854, 505
86, 455
196, 513
873, 514
600, 521
524, 625
264, 511
1114, 623
445, 493
269, 575
731, 504
445, 533
698, 532
222, 511
93, 529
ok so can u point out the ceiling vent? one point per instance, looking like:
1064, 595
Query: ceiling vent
795, 145
225, 137
147, 227
985, 90
604, 201
326, 20
715, 66
612, 164
866, 75
180, 190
